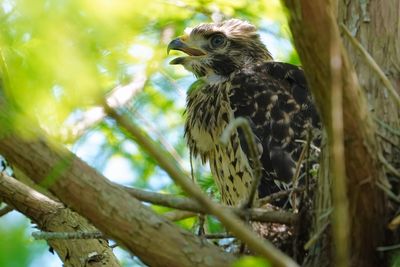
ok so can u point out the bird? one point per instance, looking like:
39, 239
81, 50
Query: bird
236, 76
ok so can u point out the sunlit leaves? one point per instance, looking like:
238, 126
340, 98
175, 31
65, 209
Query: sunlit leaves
251, 262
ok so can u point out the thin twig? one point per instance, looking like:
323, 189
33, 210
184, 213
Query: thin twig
5, 210
385, 138
278, 195
161, 137
66, 235
296, 175
388, 248
388, 192
315, 237
254, 154
388, 166
299, 162
226, 217
387, 127
190, 205
394, 223
372, 63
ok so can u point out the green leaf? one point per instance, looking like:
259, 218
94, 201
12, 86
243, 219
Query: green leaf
250, 261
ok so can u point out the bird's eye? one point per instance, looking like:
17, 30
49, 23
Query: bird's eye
217, 40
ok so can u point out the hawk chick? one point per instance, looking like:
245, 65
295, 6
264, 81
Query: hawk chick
237, 77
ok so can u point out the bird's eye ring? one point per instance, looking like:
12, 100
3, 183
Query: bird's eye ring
217, 40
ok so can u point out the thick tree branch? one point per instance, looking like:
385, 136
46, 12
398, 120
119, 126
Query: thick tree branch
315, 30
112, 210
52, 216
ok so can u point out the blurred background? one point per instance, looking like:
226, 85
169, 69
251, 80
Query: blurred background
63, 57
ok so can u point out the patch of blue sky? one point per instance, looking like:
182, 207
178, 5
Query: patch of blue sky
129, 147
160, 180
272, 36
89, 146
119, 169
58, 92
143, 53
45, 259
7, 5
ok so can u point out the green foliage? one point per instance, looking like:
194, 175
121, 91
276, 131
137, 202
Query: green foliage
16, 249
395, 258
249, 261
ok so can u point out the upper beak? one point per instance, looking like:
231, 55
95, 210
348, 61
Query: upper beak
176, 44
179, 44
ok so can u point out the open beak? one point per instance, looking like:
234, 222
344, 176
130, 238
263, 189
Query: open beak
179, 44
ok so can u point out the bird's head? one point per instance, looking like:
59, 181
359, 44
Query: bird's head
220, 48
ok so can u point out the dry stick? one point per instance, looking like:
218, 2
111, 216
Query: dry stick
227, 218
388, 248
278, 195
296, 175
394, 223
372, 63
189, 204
299, 162
254, 155
388, 166
387, 127
388, 192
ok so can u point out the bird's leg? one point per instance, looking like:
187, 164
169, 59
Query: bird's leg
200, 217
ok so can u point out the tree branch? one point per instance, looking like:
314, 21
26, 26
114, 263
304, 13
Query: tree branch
189, 204
315, 30
5, 210
129, 223
52, 216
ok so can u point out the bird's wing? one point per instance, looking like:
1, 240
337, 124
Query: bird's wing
274, 97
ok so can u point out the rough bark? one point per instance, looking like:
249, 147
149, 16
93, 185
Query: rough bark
315, 29
53, 216
155, 240
375, 24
